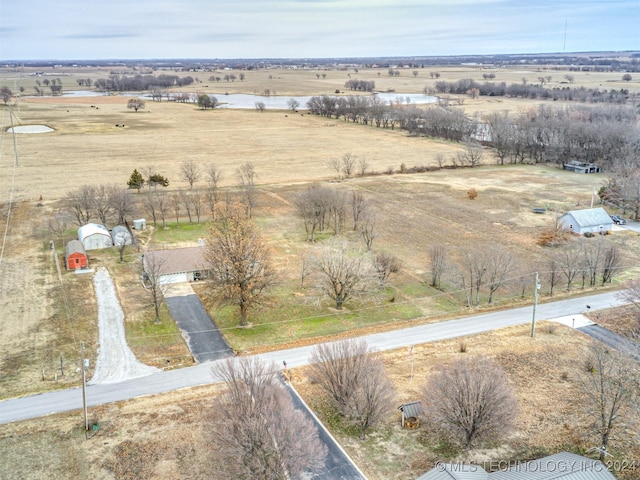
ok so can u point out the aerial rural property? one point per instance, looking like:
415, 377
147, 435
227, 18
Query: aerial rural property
238, 260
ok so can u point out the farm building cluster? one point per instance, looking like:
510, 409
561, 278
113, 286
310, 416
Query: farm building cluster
93, 236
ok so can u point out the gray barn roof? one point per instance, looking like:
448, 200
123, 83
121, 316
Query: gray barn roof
75, 246
590, 217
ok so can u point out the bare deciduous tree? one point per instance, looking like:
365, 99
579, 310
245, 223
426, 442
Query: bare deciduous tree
256, 432
153, 265
122, 203
611, 385
386, 265
348, 164
363, 166
568, 260
176, 204
336, 164
358, 207
438, 254
470, 400
80, 203
214, 178
190, 172
499, 266
373, 397
369, 228
610, 263
151, 206
185, 199
102, 202
293, 104
58, 225
355, 381
196, 204
240, 261
343, 273
136, 104
247, 182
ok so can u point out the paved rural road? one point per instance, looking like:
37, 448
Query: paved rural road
202, 336
71, 399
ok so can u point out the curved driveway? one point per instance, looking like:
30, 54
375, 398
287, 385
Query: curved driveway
66, 400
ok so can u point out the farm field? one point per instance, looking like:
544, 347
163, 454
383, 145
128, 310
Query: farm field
44, 321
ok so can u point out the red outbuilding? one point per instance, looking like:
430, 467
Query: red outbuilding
76, 257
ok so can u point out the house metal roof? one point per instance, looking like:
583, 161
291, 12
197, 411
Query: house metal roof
590, 217
455, 471
561, 466
177, 260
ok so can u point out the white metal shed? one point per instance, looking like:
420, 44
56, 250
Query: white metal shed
94, 236
121, 235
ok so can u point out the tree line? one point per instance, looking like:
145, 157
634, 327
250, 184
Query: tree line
121, 83
532, 91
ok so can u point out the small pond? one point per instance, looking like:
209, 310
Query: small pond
30, 129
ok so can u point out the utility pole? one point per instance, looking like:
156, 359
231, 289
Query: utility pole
84, 393
536, 287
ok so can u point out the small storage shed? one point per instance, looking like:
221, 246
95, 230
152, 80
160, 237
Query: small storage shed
411, 413
177, 265
94, 236
139, 224
75, 256
588, 220
121, 235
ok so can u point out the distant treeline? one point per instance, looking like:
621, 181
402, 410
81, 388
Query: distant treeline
598, 134
123, 83
532, 91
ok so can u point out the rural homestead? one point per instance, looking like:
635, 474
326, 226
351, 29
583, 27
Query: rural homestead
369, 266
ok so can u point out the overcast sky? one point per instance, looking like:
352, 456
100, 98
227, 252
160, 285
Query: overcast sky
144, 29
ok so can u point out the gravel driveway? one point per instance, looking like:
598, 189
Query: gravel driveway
116, 362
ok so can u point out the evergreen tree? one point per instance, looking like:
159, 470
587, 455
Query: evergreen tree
136, 181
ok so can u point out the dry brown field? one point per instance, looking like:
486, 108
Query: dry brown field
289, 151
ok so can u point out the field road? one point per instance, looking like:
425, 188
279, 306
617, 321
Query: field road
66, 400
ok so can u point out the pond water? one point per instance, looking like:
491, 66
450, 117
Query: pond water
242, 101
246, 101
30, 129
